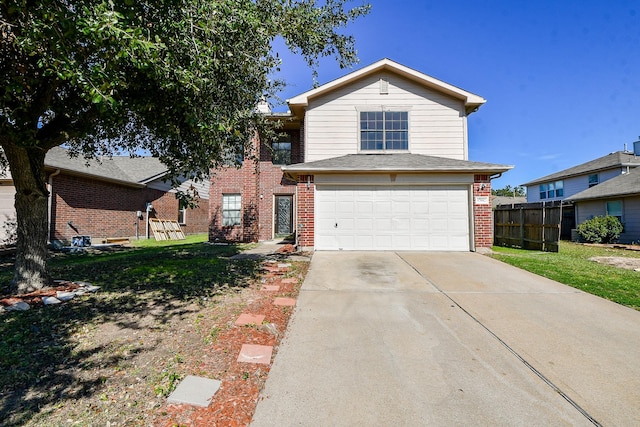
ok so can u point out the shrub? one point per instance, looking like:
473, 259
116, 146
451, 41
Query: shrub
601, 229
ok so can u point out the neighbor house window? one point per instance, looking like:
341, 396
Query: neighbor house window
384, 130
543, 191
182, 212
614, 208
552, 190
593, 180
231, 209
282, 151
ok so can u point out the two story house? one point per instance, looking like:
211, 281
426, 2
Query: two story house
375, 160
568, 182
608, 185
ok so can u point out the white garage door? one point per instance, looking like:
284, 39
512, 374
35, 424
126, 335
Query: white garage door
392, 218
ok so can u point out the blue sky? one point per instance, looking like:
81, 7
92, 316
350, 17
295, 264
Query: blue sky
561, 78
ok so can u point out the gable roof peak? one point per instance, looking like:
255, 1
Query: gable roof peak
471, 101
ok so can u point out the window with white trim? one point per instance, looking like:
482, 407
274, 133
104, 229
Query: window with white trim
384, 130
182, 212
231, 204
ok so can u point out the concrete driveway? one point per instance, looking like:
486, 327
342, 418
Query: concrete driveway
446, 339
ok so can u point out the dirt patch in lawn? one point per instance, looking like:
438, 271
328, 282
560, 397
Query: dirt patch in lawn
119, 369
620, 262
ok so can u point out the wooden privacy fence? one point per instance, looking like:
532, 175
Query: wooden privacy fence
534, 226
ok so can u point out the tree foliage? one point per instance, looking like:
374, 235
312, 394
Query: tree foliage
177, 78
600, 229
509, 191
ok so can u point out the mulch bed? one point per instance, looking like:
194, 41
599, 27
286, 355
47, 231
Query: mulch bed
235, 402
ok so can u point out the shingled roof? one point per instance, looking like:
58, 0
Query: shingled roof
612, 160
400, 162
627, 184
136, 171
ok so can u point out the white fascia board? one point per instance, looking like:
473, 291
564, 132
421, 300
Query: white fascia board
470, 99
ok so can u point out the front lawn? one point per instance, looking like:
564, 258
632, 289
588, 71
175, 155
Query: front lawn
164, 310
572, 266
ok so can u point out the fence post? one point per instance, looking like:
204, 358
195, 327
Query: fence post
522, 227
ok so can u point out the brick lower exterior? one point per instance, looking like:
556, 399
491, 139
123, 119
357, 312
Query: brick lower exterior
482, 213
84, 206
258, 182
306, 212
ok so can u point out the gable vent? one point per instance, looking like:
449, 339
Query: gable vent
384, 87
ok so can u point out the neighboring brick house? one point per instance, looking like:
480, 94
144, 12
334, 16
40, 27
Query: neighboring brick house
103, 199
375, 160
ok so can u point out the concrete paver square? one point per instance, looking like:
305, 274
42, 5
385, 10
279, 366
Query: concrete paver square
252, 353
195, 391
249, 319
285, 301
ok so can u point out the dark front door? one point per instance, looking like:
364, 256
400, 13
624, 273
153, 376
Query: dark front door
284, 215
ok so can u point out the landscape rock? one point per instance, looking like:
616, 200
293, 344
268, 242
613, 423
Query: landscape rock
19, 306
50, 300
65, 296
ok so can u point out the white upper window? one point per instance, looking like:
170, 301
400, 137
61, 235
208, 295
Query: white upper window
384, 130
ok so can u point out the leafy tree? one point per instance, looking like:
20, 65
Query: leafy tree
178, 78
509, 191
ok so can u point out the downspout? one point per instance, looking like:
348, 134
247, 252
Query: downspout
50, 207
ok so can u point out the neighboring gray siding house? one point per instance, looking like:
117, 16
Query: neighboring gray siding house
619, 196
566, 183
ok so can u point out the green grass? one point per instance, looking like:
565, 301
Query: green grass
37, 349
152, 243
572, 267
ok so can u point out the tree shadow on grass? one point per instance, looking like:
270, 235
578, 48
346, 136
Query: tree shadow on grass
140, 290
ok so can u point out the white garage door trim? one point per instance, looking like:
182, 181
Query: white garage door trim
378, 217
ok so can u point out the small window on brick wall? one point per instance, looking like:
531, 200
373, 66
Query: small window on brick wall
182, 213
231, 209
282, 150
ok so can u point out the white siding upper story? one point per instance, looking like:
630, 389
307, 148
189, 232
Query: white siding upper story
437, 122
630, 215
571, 186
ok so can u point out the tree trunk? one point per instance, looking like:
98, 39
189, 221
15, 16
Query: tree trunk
27, 171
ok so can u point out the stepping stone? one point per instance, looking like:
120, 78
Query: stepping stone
285, 301
287, 265
270, 288
195, 391
252, 353
290, 280
249, 319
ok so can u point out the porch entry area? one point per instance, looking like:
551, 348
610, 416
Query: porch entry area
283, 221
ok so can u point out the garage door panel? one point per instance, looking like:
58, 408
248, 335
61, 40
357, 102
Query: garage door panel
392, 218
